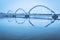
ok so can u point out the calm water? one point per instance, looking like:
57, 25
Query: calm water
12, 30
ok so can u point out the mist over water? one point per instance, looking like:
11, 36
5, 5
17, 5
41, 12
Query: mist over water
13, 31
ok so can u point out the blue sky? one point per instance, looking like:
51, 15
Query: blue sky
6, 5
